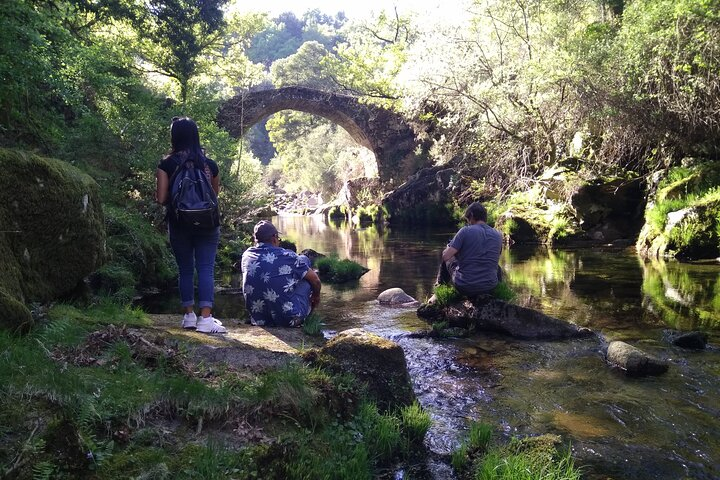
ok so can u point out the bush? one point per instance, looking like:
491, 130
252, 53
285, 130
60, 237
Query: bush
134, 245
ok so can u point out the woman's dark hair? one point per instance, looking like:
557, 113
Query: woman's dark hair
185, 138
476, 211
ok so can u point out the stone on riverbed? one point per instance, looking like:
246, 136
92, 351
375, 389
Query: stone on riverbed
634, 361
397, 297
690, 340
487, 313
375, 361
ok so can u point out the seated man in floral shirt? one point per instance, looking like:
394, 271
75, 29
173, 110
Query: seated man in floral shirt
279, 287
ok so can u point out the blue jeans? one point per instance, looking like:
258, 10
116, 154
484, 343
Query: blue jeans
195, 250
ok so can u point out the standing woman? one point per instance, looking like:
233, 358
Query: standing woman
193, 249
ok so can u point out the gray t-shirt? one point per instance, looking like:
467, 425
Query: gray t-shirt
479, 248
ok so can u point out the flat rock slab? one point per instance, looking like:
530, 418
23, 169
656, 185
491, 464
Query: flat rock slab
244, 345
486, 313
634, 361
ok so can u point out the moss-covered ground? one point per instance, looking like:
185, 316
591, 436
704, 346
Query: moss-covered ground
109, 392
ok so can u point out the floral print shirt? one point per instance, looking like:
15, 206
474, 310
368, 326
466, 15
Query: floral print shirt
269, 277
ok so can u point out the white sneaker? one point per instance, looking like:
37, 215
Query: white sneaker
189, 321
210, 325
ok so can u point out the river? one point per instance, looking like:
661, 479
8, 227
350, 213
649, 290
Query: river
665, 427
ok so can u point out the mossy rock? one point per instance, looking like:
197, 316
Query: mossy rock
376, 362
683, 181
690, 233
545, 222
426, 198
16, 316
521, 230
53, 230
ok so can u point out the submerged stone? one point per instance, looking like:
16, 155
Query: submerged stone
634, 361
690, 340
396, 296
486, 313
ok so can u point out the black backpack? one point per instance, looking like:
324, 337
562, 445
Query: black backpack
193, 203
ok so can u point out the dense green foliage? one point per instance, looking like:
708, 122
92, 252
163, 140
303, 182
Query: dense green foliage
514, 90
683, 218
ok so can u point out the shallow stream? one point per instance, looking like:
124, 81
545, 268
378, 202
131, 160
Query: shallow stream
665, 427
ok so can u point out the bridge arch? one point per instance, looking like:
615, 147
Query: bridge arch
382, 131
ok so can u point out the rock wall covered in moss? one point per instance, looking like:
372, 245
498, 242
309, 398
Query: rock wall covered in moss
51, 232
683, 218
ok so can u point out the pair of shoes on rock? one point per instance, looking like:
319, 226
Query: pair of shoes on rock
204, 324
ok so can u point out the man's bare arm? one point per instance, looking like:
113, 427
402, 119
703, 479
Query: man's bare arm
314, 281
449, 253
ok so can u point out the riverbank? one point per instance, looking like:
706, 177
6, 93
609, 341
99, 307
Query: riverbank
109, 392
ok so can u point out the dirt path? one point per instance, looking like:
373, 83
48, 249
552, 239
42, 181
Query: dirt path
243, 346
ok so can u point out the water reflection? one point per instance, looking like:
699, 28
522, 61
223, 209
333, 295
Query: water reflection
663, 428
684, 297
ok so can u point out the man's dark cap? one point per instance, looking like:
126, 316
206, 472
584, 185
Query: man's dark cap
264, 231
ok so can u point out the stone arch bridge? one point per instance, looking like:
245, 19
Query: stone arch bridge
382, 131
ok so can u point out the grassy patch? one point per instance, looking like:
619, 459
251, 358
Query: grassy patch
503, 291
81, 398
105, 312
414, 423
313, 325
333, 270
475, 444
446, 295
521, 459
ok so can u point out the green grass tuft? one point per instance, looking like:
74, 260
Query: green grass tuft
313, 325
414, 423
479, 436
380, 431
333, 270
446, 295
503, 291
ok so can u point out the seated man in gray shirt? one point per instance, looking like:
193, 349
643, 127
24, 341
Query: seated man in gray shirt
470, 261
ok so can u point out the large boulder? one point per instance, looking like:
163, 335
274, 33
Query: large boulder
425, 197
52, 232
691, 340
689, 233
375, 361
610, 209
634, 361
486, 313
